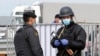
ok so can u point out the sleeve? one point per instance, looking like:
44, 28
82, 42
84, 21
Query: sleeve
55, 38
52, 42
34, 43
79, 43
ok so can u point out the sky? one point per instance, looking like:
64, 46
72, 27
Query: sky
6, 6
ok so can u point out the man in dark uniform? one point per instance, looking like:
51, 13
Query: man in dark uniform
70, 39
26, 39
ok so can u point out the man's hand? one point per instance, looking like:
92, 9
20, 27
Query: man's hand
64, 42
57, 43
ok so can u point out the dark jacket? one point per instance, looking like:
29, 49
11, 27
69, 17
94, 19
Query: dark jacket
27, 42
76, 36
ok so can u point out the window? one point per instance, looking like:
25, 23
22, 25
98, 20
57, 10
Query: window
19, 13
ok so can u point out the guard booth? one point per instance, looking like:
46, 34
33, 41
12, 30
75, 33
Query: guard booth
92, 44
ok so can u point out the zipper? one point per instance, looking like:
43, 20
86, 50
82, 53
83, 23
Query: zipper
62, 53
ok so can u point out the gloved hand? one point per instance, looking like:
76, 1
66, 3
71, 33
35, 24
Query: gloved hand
57, 43
64, 42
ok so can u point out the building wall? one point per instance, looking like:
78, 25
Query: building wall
83, 12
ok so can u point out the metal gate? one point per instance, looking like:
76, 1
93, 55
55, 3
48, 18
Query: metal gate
92, 43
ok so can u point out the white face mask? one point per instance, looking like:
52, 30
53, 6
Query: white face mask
66, 21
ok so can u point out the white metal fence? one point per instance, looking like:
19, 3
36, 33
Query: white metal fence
92, 43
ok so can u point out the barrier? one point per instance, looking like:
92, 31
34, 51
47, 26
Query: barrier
44, 30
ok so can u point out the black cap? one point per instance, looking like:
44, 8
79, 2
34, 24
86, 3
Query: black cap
29, 14
57, 16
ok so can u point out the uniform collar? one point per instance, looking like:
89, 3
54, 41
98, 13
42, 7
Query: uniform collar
72, 22
27, 25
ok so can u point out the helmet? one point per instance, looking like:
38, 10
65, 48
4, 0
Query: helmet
66, 11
